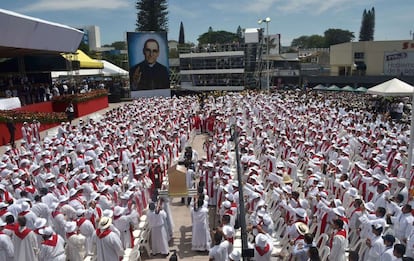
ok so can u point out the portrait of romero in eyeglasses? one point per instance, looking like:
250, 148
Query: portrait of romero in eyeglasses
150, 74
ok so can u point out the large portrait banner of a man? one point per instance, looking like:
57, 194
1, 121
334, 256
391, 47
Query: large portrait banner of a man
148, 61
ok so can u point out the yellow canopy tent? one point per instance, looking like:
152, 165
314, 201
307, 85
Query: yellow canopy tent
85, 61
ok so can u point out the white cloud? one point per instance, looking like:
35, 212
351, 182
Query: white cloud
316, 7
180, 11
260, 6
60, 5
267, 7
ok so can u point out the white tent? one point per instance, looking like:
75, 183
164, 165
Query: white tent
109, 69
112, 69
396, 87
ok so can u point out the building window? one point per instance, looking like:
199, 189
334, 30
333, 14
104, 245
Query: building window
358, 55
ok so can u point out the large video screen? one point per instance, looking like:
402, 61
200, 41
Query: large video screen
148, 60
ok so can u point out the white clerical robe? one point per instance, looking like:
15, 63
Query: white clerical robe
263, 254
339, 245
201, 239
25, 243
159, 238
123, 224
108, 245
376, 249
75, 247
53, 249
387, 254
6, 247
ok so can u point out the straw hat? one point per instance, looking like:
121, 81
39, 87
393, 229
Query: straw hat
287, 179
302, 228
105, 222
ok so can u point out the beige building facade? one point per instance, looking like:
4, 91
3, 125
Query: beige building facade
373, 58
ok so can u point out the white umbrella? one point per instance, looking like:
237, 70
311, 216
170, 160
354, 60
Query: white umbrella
397, 87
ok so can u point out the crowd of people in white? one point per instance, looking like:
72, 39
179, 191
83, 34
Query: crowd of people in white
81, 192
321, 177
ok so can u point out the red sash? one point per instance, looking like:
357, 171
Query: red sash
23, 213
13, 227
55, 213
31, 190
341, 232
22, 234
231, 240
68, 235
103, 234
6, 197
299, 238
353, 212
3, 211
80, 221
324, 222
264, 250
51, 242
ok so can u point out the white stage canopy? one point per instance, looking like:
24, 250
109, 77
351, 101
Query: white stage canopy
21, 34
109, 69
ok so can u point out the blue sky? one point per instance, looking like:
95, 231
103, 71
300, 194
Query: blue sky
290, 18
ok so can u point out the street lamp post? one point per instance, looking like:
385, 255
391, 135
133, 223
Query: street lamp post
267, 20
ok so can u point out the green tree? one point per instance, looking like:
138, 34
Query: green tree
120, 45
217, 37
84, 47
313, 41
300, 42
337, 36
316, 41
117, 59
181, 38
239, 33
366, 32
152, 15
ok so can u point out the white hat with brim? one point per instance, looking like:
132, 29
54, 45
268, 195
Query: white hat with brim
108, 213
47, 231
80, 212
340, 211
39, 223
370, 206
72, 192
105, 222
235, 255
70, 226
302, 228
118, 211
24, 206
300, 212
261, 240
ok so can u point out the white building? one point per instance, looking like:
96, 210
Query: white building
92, 37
